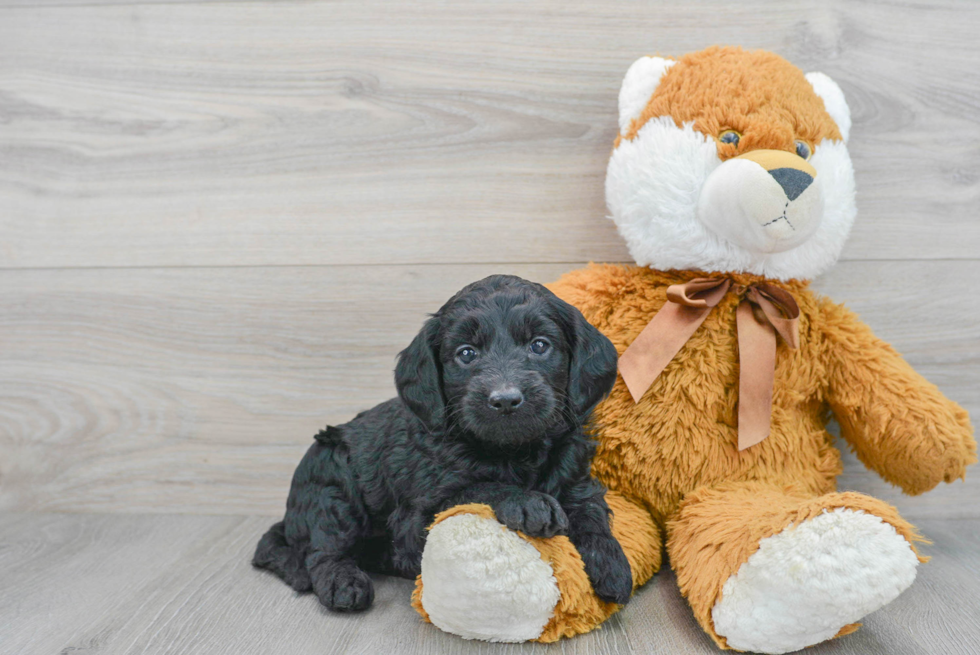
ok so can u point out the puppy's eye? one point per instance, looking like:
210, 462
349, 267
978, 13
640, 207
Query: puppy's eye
730, 136
540, 346
803, 149
466, 354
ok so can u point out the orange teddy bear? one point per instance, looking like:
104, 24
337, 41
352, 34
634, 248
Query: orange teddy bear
731, 183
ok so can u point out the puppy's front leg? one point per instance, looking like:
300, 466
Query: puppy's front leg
408, 539
532, 512
589, 531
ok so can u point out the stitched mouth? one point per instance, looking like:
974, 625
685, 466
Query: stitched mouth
782, 217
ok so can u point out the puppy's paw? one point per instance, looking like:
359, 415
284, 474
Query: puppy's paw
342, 587
534, 513
607, 568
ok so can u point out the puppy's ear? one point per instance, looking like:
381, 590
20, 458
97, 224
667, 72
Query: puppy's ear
417, 376
592, 371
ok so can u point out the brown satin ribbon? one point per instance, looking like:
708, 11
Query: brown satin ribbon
765, 309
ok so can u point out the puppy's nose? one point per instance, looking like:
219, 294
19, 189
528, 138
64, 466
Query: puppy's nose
505, 399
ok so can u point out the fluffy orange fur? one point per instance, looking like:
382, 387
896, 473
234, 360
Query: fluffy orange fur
767, 101
683, 433
676, 450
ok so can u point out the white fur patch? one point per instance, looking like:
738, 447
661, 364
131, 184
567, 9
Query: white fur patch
807, 582
833, 100
482, 581
653, 186
641, 80
745, 205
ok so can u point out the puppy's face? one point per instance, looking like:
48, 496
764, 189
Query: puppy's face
505, 366
505, 362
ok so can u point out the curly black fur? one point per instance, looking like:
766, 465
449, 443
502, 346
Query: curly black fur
492, 396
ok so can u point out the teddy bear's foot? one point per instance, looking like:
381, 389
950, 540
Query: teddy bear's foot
772, 570
482, 581
811, 580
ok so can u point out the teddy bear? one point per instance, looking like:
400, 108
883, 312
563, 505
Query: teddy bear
731, 183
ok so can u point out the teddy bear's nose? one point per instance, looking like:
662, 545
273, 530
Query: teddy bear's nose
793, 181
793, 173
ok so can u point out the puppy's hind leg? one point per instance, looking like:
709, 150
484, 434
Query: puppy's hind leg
342, 586
275, 554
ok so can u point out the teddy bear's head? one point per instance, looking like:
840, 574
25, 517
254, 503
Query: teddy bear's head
731, 161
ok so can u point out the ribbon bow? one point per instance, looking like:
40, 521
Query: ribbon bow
765, 309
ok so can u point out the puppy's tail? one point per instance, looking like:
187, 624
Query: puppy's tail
275, 554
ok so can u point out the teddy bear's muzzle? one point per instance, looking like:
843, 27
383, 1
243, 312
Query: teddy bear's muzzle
764, 201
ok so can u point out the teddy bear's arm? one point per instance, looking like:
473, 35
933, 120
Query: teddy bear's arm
899, 424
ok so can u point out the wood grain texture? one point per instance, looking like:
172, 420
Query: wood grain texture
355, 132
198, 390
221, 220
117, 584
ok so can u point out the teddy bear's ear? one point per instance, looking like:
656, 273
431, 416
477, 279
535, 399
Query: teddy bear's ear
640, 82
833, 100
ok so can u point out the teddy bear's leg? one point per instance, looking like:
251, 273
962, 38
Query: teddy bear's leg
482, 581
772, 570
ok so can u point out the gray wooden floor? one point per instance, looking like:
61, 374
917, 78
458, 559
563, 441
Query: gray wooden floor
220, 220
115, 584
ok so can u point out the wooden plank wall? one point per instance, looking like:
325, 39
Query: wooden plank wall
219, 221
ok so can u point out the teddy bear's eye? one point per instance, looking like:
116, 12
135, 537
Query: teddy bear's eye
803, 149
729, 136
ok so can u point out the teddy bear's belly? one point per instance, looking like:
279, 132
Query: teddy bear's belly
683, 435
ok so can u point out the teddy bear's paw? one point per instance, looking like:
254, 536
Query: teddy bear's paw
807, 582
482, 581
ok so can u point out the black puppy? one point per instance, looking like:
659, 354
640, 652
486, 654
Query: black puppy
492, 396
